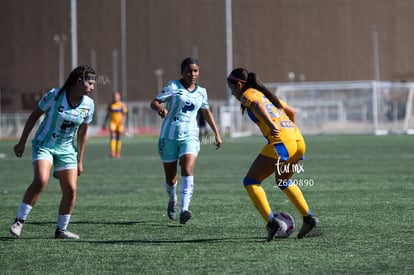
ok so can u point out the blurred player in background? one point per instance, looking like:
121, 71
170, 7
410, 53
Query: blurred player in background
285, 147
179, 136
116, 112
67, 113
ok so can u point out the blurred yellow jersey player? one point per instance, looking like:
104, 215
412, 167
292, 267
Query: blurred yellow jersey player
117, 114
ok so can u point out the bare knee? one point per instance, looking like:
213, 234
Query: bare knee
39, 184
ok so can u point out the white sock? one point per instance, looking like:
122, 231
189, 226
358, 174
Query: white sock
24, 210
171, 191
186, 192
63, 222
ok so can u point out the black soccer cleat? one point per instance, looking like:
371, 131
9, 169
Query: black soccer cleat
185, 216
309, 223
272, 227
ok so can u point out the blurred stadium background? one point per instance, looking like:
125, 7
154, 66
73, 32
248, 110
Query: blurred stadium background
346, 65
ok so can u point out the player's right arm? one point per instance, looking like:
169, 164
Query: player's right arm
261, 110
156, 106
30, 123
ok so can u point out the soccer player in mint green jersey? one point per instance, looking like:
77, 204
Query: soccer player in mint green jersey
67, 112
179, 135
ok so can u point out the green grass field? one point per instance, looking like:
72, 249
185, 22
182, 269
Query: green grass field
362, 192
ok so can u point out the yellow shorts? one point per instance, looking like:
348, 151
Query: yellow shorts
291, 151
116, 127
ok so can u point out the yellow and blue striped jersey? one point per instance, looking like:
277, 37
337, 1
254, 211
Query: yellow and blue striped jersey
288, 129
116, 111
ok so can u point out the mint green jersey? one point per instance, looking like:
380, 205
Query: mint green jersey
61, 120
182, 105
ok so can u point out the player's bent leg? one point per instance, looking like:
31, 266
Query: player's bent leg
258, 197
188, 157
170, 170
172, 200
295, 195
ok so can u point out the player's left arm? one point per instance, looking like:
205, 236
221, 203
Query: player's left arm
208, 116
124, 114
81, 141
290, 112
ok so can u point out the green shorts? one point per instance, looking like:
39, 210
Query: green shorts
172, 150
61, 159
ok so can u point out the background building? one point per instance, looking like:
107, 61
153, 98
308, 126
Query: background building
296, 40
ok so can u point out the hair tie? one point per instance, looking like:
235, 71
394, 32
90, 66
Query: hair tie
233, 78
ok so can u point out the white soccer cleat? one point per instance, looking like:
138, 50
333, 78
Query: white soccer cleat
64, 234
16, 228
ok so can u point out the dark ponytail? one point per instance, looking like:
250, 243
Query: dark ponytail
252, 81
84, 72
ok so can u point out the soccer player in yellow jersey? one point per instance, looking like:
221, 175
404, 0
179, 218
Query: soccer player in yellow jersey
285, 147
117, 113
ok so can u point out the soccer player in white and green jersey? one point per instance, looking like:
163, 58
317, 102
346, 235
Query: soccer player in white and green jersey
67, 112
179, 136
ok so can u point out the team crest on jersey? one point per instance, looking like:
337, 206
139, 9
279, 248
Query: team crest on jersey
84, 113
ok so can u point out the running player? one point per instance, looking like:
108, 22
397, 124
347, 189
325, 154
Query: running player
117, 113
67, 113
179, 136
285, 147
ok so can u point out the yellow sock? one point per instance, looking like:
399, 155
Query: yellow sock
295, 195
112, 144
118, 146
259, 199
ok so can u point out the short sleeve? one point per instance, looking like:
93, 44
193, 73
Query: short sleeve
91, 110
167, 92
204, 104
249, 96
48, 99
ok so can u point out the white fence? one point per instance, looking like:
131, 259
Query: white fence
351, 107
365, 107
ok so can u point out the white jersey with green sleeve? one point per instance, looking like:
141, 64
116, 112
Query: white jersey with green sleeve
182, 105
61, 120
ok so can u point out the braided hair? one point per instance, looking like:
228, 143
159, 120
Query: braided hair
84, 72
252, 81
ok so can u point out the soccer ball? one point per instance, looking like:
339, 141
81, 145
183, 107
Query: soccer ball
287, 224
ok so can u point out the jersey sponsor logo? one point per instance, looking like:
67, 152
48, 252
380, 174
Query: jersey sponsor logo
287, 124
67, 124
188, 107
